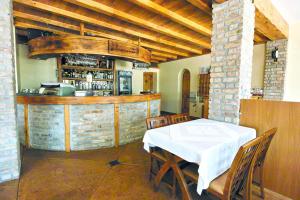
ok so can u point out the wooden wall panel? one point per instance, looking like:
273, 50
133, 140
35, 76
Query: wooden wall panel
282, 166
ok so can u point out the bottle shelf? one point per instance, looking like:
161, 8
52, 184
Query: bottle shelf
84, 68
84, 79
97, 90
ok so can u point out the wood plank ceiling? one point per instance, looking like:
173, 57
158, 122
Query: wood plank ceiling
170, 29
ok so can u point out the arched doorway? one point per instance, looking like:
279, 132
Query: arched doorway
186, 77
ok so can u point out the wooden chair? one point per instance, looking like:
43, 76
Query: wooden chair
259, 161
227, 185
156, 154
179, 118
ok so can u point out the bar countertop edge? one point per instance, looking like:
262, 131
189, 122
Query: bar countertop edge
73, 100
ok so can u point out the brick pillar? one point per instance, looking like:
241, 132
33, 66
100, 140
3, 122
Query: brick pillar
9, 143
231, 62
275, 70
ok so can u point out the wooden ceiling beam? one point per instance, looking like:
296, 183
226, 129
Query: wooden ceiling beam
110, 11
202, 5
154, 7
269, 21
99, 22
23, 15
165, 55
158, 58
25, 25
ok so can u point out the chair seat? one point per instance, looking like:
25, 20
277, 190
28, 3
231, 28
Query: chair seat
218, 184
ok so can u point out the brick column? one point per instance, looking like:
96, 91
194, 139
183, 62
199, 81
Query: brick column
9, 144
275, 70
231, 62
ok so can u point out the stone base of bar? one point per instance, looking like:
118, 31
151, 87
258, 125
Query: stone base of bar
85, 125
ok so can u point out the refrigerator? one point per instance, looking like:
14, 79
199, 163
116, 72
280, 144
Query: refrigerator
124, 82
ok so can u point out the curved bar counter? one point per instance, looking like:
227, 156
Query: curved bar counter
83, 123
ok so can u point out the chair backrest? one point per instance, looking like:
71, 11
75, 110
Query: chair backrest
156, 122
262, 152
259, 157
240, 167
178, 118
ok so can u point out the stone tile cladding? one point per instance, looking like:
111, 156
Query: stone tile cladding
9, 143
132, 121
231, 62
275, 71
92, 126
154, 108
46, 127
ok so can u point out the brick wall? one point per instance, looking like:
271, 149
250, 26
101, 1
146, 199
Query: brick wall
92, 126
9, 144
275, 71
231, 62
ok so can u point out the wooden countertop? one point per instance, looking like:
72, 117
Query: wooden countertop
68, 100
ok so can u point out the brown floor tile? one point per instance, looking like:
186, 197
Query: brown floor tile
87, 175
9, 190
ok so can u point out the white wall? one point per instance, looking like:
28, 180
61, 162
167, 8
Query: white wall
292, 81
137, 75
32, 72
170, 76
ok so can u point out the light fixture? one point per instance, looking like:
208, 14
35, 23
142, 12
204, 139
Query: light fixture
275, 54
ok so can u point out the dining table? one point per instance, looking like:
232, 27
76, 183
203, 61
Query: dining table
210, 144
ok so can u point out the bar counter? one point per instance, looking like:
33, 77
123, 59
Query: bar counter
83, 123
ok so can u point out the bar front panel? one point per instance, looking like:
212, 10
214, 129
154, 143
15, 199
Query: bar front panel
91, 126
46, 127
132, 121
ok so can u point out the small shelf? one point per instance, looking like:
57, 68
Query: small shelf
98, 90
85, 68
84, 79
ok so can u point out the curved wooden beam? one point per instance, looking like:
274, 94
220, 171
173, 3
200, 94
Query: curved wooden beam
54, 45
65, 25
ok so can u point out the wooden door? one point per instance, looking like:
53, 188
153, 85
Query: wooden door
148, 81
185, 91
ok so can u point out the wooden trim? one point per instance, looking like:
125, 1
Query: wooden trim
115, 77
148, 109
85, 100
26, 127
81, 28
116, 125
59, 69
67, 128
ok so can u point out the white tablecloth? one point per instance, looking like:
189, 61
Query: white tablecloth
211, 144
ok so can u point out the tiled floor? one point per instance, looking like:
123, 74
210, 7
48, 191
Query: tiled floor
85, 175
